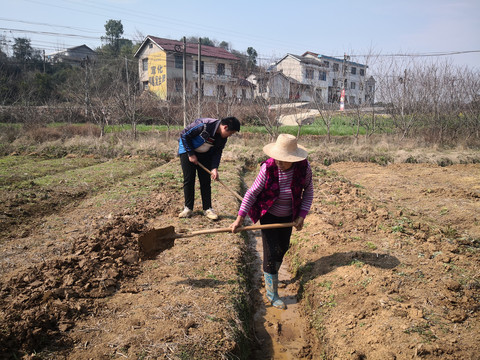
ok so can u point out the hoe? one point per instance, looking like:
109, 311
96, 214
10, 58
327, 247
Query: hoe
155, 241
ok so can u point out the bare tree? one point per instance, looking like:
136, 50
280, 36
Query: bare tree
435, 98
363, 106
397, 84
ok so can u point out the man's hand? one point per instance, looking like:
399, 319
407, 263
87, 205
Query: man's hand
299, 223
193, 159
214, 174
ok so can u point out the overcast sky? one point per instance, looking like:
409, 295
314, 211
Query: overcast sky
272, 28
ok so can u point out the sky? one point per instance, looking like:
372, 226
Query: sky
428, 29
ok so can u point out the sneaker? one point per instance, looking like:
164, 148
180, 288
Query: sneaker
211, 214
186, 213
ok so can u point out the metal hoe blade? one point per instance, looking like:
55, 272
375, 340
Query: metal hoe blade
155, 241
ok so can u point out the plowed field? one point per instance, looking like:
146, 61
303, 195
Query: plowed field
386, 267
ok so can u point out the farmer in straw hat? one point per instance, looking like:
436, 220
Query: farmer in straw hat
281, 193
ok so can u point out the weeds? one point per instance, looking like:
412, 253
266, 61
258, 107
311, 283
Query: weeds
423, 330
357, 263
326, 284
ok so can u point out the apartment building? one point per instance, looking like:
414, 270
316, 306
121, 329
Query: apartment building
315, 77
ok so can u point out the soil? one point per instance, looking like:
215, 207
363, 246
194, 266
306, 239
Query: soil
386, 267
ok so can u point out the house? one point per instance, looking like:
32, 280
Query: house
74, 55
272, 85
160, 64
314, 77
348, 75
309, 76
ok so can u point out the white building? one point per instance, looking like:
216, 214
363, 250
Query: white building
343, 73
314, 77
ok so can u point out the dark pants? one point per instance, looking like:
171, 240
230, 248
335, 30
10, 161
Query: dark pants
189, 172
275, 242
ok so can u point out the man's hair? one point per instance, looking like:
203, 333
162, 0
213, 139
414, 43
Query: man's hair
232, 123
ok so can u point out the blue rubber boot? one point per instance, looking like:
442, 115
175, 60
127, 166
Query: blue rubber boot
271, 285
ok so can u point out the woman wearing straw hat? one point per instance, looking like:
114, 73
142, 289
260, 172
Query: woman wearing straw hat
281, 193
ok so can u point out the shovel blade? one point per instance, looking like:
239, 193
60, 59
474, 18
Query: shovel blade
154, 241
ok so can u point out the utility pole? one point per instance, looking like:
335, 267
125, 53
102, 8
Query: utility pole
199, 78
44, 61
342, 95
86, 61
130, 106
184, 82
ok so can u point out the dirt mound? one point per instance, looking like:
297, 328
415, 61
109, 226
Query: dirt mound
43, 301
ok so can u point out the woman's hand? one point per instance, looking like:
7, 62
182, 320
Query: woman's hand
237, 223
299, 223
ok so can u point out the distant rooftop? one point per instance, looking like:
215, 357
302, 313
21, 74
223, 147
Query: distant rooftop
192, 49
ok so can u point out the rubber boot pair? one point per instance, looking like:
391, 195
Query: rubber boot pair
271, 285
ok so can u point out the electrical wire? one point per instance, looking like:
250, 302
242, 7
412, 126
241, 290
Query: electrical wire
147, 17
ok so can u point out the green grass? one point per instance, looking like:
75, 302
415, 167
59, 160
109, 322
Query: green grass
140, 128
340, 126
14, 169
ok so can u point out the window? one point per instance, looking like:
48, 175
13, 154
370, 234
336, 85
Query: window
322, 75
178, 85
150, 46
221, 91
145, 64
361, 86
354, 70
362, 72
196, 88
220, 69
352, 85
335, 83
145, 85
178, 61
335, 67
244, 94
201, 67
309, 74
262, 86
327, 64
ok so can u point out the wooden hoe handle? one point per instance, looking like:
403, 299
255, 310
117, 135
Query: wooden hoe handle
244, 228
220, 181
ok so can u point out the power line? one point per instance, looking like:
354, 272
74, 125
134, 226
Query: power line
145, 17
439, 53
48, 33
50, 25
432, 54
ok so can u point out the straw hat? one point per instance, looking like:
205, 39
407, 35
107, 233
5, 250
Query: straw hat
286, 149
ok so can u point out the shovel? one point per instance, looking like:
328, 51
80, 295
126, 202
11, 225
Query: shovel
155, 241
220, 181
